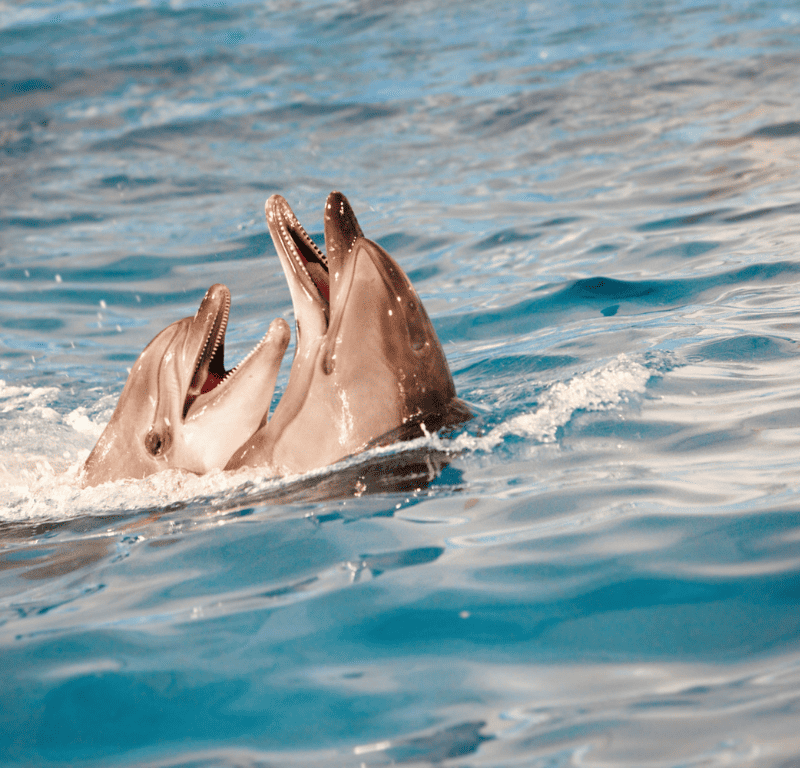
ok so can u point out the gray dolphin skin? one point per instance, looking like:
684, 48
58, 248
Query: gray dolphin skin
368, 366
180, 408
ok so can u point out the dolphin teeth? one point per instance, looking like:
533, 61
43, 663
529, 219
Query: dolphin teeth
209, 367
304, 252
215, 337
232, 371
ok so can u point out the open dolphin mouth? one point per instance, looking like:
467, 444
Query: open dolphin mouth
180, 407
209, 367
210, 373
319, 283
305, 258
367, 365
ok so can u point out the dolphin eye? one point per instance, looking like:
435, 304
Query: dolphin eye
156, 442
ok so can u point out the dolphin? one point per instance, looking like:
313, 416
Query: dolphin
368, 367
180, 408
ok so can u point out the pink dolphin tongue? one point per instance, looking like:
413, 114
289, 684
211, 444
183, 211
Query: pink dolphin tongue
320, 277
211, 381
316, 269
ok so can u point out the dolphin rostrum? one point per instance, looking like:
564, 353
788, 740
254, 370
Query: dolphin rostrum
368, 366
180, 408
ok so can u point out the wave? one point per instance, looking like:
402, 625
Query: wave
44, 449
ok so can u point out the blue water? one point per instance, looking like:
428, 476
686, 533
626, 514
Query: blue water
598, 203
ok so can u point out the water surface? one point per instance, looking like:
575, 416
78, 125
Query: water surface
598, 205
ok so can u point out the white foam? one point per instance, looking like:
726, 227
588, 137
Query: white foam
42, 451
82, 423
595, 390
17, 398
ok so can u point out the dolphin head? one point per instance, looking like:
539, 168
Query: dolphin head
180, 408
368, 365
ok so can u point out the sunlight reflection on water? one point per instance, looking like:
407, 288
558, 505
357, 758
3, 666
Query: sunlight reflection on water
597, 205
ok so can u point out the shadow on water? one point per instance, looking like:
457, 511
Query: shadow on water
618, 596
64, 546
406, 472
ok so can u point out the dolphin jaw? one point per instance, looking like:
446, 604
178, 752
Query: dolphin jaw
211, 321
226, 417
303, 262
210, 381
337, 403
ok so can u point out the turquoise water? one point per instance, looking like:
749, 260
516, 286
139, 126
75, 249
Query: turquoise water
598, 205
